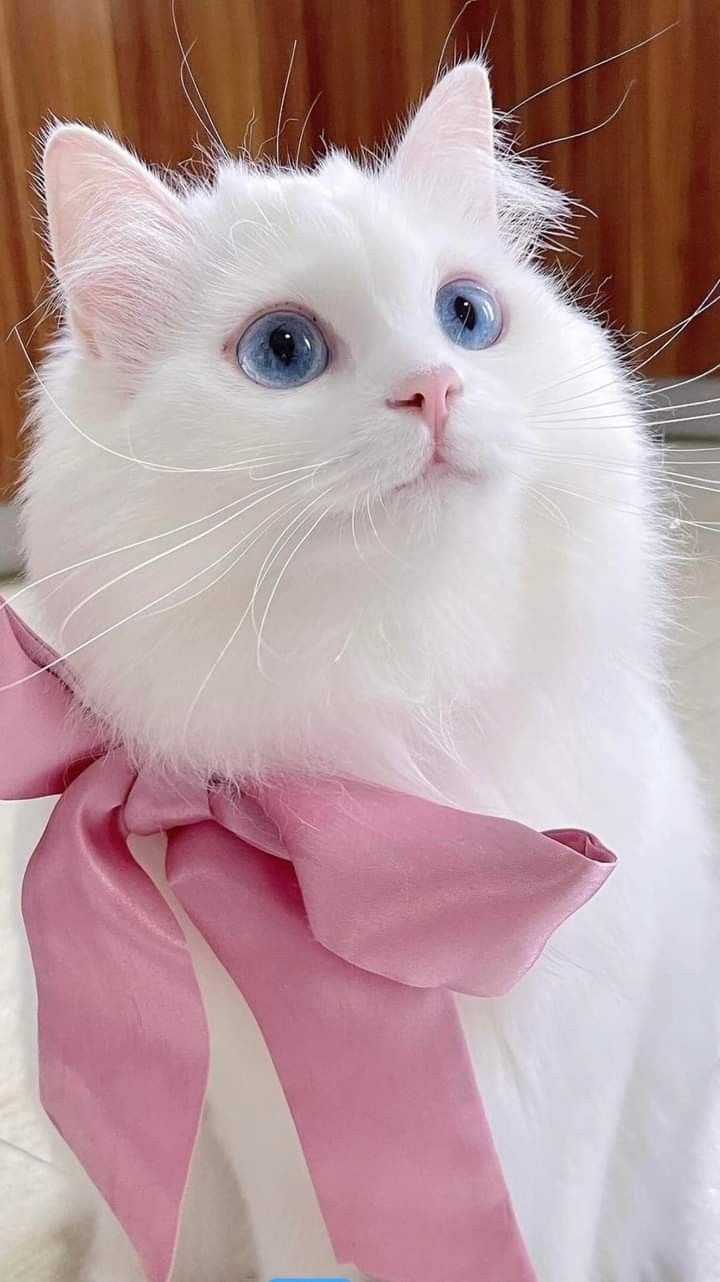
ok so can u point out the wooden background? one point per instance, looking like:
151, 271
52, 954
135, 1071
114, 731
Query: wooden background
650, 174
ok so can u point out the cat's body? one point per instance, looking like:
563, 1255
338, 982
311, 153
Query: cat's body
454, 635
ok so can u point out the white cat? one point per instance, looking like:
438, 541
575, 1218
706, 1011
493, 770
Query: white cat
349, 483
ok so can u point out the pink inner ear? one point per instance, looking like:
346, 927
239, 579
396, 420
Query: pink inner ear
119, 239
449, 142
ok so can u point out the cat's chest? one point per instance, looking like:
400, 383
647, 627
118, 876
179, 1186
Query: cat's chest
545, 762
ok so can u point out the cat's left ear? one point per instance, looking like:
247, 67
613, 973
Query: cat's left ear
120, 242
448, 149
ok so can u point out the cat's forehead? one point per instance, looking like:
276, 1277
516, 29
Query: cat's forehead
337, 200
340, 224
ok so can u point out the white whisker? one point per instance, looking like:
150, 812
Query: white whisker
671, 447
218, 660
126, 458
664, 388
596, 500
582, 133
177, 547
353, 530
257, 531
125, 547
581, 426
644, 411
69, 654
274, 552
282, 101
208, 124
604, 62
710, 299
550, 506
619, 467
305, 123
305, 467
453, 25
281, 576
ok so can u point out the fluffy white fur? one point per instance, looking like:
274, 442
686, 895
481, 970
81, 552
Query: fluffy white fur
487, 636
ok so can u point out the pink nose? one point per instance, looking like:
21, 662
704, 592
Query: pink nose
429, 392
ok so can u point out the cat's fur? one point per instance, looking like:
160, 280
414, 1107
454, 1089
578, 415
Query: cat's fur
485, 639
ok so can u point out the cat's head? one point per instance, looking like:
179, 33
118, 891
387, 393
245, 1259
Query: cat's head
294, 435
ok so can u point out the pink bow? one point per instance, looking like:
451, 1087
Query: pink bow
345, 914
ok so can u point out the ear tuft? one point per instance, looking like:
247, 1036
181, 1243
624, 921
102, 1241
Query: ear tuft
118, 235
448, 147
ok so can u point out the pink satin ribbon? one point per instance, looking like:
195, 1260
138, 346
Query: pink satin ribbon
346, 914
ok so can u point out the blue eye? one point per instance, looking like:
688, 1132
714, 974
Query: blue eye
282, 349
470, 315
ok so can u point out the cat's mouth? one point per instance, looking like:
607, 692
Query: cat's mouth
435, 471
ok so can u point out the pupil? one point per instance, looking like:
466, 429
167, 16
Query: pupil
465, 312
282, 344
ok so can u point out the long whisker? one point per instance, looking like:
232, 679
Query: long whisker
69, 654
208, 124
282, 101
485, 45
281, 576
373, 527
453, 25
177, 547
698, 525
218, 660
273, 553
356, 544
655, 463
107, 449
710, 299
593, 67
547, 506
618, 467
213, 669
129, 547
677, 522
305, 467
589, 498
582, 133
305, 123
251, 538
664, 388
672, 447
581, 426
126, 547
644, 410
247, 136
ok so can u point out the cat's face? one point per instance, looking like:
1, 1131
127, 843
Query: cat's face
315, 402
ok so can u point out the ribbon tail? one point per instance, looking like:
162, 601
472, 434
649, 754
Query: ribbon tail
376, 1074
123, 1039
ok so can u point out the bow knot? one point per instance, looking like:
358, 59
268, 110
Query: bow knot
345, 913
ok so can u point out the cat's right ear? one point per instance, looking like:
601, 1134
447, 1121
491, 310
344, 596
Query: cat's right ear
447, 152
119, 239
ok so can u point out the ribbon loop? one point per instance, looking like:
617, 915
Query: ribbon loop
46, 737
428, 895
344, 947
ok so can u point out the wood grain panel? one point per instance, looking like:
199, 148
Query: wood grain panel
649, 174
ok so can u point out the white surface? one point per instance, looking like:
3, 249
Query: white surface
38, 1242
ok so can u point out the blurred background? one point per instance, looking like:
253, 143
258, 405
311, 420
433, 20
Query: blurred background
650, 241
